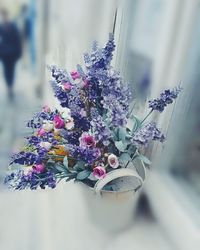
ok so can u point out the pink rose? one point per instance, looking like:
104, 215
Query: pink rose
58, 122
66, 86
39, 168
99, 172
87, 140
113, 161
75, 75
40, 132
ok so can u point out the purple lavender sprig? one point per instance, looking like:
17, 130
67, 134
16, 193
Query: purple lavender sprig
20, 180
166, 97
146, 134
25, 158
88, 155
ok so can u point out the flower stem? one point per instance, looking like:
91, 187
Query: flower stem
146, 116
130, 112
132, 158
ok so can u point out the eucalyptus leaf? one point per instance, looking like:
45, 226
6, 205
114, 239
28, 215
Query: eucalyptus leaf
50, 163
131, 149
133, 124
114, 135
136, 125
122, 133
80, 165
65, 162
124, 158
60, 167
121, 146
83, 174
144, 159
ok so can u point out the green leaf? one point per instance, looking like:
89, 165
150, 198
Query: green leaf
83, 174
80, 165
132, 149
114, 134
144, 159
70, 177
122, 133
60, 168
121, 146
50, 163
124, 158
133, 124
65, 162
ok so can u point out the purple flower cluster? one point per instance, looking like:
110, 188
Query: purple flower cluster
100, 58
46, 137
68, 99
72, 137
81, 122
75, 102
19, 180
99, 128
88, 155
116, 98
36, 121
25, 158
166, 98
59, 75
146, 134
60, 94
90, 131
106, 89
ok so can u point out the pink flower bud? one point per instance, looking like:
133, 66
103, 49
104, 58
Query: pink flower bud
75, 75
40, 132
113, 161
85, 83
46, 108
58, 122
99, 172
39, 168
66, 86
87, 140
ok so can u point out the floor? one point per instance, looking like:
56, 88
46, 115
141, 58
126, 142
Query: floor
59, 219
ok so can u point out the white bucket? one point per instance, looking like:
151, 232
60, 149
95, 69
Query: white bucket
114, 210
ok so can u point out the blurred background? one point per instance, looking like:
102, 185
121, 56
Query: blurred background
157, 47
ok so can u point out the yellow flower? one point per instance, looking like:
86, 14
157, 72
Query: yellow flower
58, 151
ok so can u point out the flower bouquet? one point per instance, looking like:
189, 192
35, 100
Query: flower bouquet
93, 137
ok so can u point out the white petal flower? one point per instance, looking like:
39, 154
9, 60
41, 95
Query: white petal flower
45, 144
65, 113
70, 124
113, 161
47, 126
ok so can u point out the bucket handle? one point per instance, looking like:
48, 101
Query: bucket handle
122, 172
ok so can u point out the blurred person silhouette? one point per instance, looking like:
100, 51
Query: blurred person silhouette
26, 23
10, 49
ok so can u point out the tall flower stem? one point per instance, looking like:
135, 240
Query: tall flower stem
146, 116
132, 158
